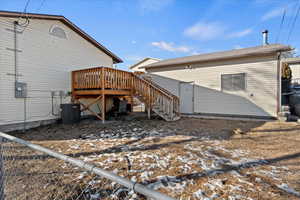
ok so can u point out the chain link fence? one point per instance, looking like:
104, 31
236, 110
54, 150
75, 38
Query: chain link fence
32, 172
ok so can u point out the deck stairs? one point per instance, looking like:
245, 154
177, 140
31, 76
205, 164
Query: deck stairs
158, 99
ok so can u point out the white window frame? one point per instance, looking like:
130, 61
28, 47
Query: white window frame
56, 26
235, 90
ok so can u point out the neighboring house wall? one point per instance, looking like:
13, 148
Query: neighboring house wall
145, 63
259, 98
295, 72
44, 64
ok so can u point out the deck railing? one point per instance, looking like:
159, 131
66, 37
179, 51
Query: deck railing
109, 78
101, 77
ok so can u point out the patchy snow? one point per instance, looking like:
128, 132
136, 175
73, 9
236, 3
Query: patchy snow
288, 189
199, 194
161, 167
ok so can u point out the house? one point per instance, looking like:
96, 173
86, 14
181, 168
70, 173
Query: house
37, 54
294, 64
146, 61
242, 82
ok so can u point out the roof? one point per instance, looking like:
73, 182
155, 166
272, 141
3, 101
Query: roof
295, 60
140, 62
68, 23
222, 55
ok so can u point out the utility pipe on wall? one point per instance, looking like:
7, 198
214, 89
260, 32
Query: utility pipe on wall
15, 52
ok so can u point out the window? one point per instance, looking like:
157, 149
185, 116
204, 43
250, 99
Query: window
233, 82
58, 32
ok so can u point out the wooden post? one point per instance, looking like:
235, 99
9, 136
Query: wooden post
149, 112
103, 108
103, 97
73, 85
131, 82
131, 100
149, 103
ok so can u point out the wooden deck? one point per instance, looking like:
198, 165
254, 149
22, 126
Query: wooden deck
100, 82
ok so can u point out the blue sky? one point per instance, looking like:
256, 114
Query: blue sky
134, 29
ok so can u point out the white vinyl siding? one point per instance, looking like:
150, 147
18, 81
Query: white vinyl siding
44, 64
258, 99
295, 72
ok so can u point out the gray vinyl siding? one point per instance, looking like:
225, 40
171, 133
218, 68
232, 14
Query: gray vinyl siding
259, 98
44, 64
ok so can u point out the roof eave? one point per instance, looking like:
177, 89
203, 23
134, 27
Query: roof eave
143, 60
209, 60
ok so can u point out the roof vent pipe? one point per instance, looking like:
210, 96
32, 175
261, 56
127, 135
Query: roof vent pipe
265, 37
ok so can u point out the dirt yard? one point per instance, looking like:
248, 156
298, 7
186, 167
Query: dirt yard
190, 158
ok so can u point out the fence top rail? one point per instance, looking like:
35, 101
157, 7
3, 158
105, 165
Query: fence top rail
86, 69
139, 188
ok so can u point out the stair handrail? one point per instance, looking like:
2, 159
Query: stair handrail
152, 85
172, 98
159, 87
175, 98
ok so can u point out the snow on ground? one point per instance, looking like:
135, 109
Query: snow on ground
189, 159
186, 167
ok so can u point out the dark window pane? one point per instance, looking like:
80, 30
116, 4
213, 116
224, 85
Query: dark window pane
233, 82
226, 82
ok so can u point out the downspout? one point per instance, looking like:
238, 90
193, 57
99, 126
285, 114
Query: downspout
278, 83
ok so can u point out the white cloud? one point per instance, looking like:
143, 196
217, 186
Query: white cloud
237, 47
264, 1
205, 30
134, 58
241, 33
195, 53
277, 12
171, 47
153, 5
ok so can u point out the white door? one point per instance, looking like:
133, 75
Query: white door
186, 91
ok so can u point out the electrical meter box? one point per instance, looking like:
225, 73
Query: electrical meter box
20, 90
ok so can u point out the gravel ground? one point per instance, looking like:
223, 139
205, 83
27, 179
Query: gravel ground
187, 159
